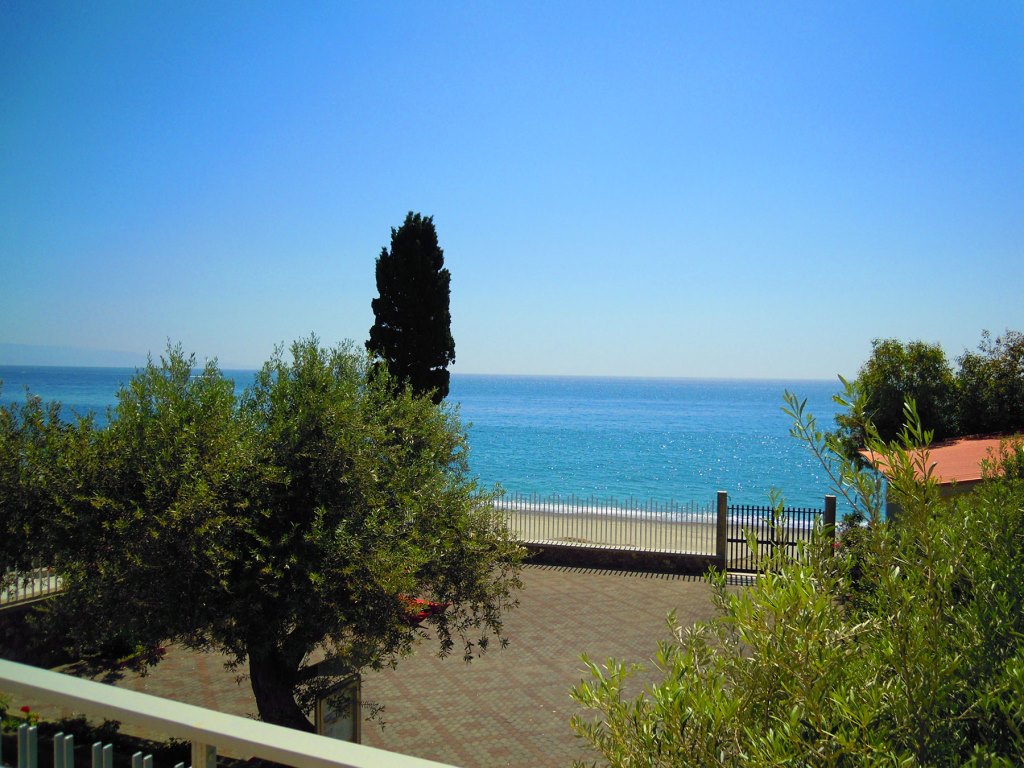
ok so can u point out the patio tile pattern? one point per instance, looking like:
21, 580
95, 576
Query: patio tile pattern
509, 707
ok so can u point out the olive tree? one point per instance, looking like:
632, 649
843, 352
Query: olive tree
41, 459
292, 521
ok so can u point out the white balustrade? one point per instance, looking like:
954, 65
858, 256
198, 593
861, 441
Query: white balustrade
208, 731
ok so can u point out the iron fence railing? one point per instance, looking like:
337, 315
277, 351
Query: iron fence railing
770, 531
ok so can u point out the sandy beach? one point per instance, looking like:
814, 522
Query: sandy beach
651, 532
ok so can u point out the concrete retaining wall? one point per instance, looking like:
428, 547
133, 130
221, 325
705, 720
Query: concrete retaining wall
582, 556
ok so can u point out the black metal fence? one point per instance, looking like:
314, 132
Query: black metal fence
769, 531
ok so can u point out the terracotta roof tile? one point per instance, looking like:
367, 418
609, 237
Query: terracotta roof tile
955, 461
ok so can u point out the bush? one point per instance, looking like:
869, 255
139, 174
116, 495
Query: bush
902, 646
1008, 461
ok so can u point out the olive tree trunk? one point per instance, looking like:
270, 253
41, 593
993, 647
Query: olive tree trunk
273, 682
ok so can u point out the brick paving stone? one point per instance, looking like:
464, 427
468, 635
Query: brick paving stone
509, 707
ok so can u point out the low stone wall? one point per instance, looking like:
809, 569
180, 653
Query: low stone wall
621, 559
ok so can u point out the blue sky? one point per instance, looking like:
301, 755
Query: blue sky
678, 189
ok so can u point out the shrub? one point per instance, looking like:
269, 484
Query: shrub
903, 646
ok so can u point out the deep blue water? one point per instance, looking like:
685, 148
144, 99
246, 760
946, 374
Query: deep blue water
661, 439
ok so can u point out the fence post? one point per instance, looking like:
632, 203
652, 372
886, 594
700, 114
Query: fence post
830, 516
721, 531
204, 755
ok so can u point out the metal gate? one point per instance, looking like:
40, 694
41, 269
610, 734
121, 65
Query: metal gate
770, 531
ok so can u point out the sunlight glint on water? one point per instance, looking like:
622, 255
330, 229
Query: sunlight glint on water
605, 437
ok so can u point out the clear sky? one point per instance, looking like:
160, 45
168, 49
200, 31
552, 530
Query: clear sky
678, 189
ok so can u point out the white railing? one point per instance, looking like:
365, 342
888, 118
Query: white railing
208, 731
718, 530
621, 524
26, 586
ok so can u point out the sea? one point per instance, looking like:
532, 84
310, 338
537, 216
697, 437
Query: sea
607, 439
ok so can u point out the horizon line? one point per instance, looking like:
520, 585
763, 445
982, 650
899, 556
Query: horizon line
480, 374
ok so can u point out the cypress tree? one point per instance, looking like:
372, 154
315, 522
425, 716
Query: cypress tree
412, 333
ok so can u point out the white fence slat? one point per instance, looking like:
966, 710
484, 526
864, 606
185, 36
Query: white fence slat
58, 749
28, 746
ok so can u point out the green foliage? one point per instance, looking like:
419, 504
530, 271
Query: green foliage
36, 447
1006, 462
991, 386
149, 529
412, 333
895, 373
985, 396
902, 646
297, 517
19, 431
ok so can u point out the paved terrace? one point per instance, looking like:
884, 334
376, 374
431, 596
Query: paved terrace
510, 707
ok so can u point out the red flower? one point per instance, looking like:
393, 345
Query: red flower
418, 609
26, 709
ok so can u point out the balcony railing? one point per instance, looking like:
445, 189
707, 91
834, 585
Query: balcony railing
208, 731
18, 587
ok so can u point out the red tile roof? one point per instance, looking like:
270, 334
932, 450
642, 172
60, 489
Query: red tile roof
955, 461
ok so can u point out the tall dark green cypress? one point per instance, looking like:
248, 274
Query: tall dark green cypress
412, 333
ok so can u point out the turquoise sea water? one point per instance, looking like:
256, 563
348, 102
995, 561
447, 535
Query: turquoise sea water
660, 439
